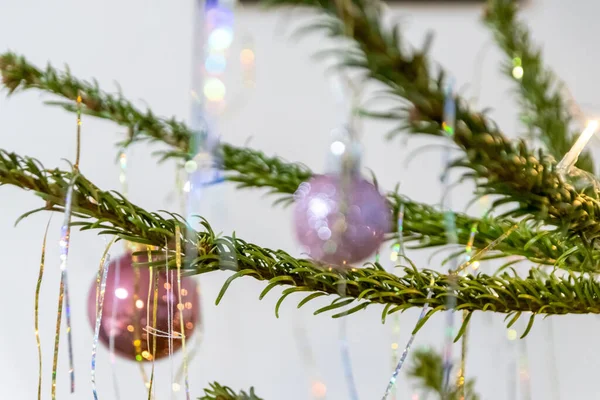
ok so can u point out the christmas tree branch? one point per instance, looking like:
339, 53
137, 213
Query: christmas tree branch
246, 167
110, 213
218, 392
543, 109
498, 165
423, 224
428, 370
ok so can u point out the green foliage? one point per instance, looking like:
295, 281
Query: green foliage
517, 176
498, 165
218, 392
525, 180
423, 225
247, 167
543, 108
427, 370
18, 74
110, 213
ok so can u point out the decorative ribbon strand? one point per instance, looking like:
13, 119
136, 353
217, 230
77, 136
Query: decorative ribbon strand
36, 309
346, 360
524, 370
64, 254
397, 253
345, 188
451, 234
460, 379
475, 259
318, 388
137, 328
169, 289
392, 381
569, 159
180, 308
111, 338
64, 290
100, 290
153, 281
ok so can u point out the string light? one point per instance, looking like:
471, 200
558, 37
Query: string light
319, 390
220, 39
215, 63
338, 148
214, 89
517, 71
247, 57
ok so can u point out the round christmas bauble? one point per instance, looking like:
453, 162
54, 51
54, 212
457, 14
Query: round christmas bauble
129, 299
340, 230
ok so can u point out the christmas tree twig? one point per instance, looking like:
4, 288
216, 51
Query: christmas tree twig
218, 392
110, 213
425, 226
251, 168
428, 369
498, 165
543, 109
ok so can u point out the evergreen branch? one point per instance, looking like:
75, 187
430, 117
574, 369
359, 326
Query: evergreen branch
498, 165
249, 168
423, 224
428, 370
218, 392
543, 109
18, 74
110, 213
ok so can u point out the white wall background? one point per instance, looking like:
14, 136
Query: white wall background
145, 46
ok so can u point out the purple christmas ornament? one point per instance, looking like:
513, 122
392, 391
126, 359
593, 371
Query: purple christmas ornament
331, 235
127, 325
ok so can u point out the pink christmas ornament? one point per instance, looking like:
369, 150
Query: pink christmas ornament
335, 236
129, 322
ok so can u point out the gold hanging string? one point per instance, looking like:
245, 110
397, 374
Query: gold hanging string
180, 307
154, 282
36, 309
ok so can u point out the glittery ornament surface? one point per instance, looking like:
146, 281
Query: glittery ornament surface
126, 328
336, 230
